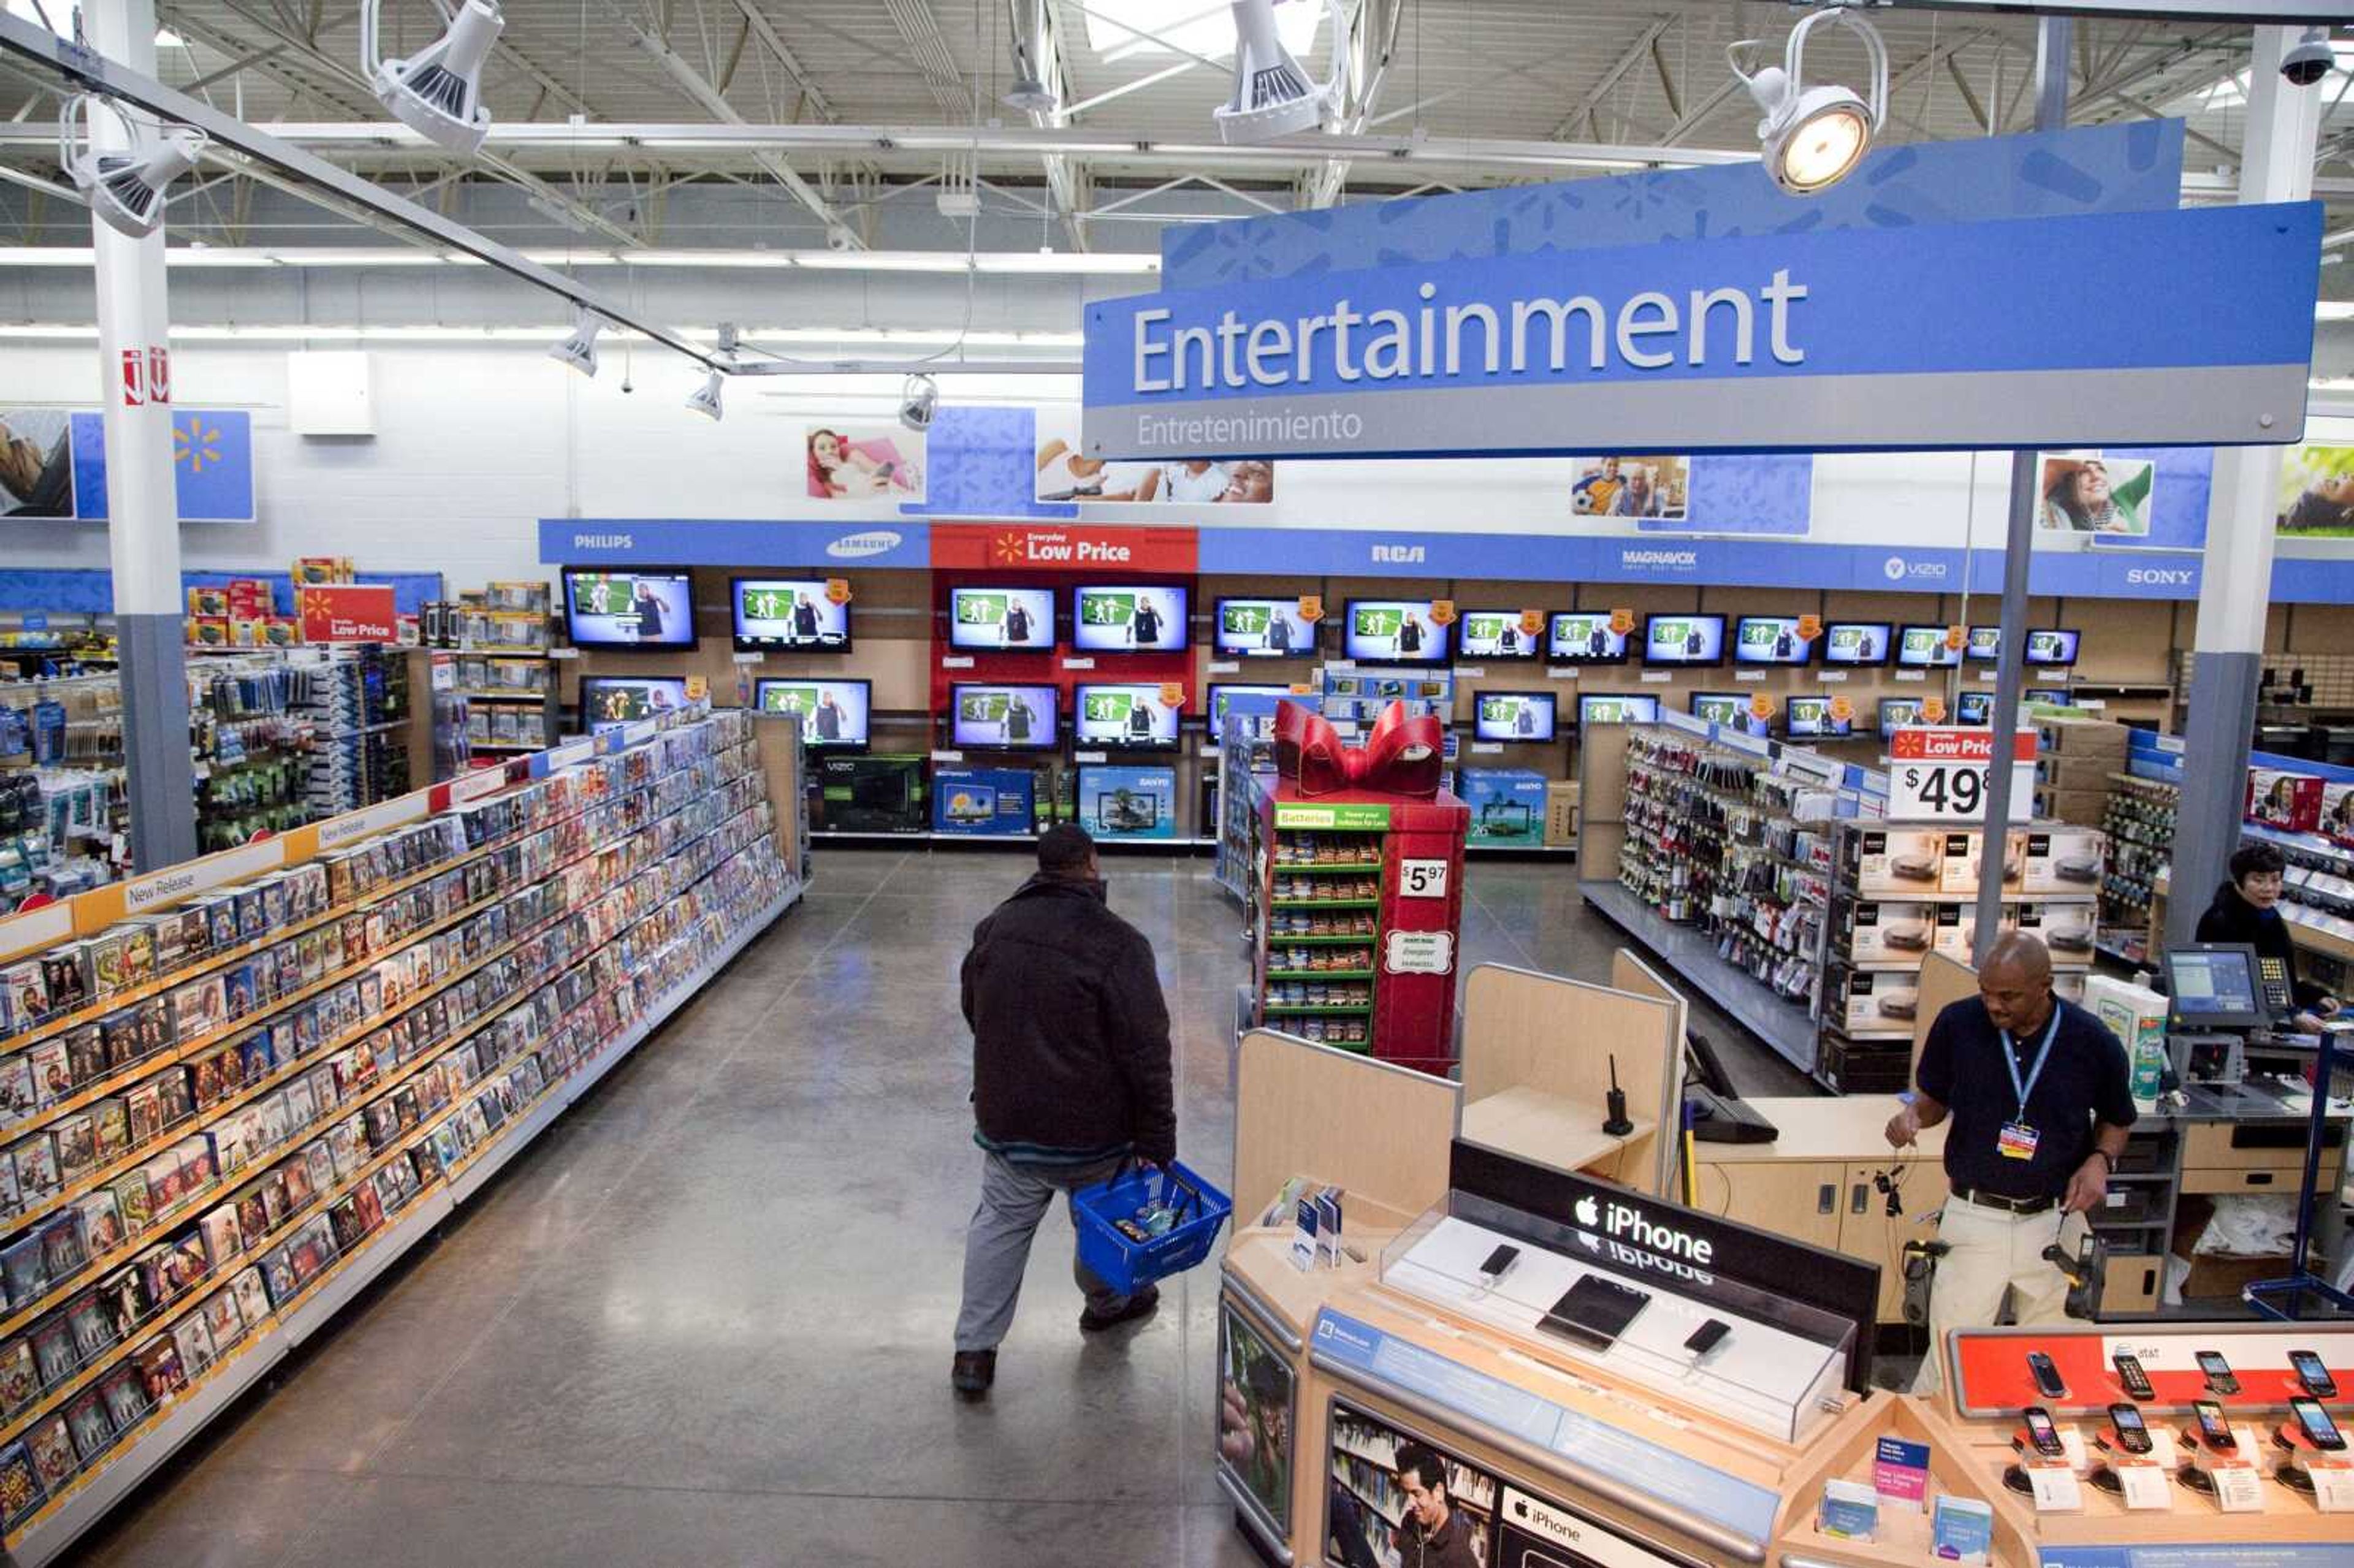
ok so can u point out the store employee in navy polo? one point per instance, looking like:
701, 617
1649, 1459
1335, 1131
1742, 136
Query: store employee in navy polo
2039, 1093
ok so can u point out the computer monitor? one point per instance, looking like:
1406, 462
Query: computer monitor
2213, 985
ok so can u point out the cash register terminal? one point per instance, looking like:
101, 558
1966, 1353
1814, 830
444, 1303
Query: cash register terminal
2223, 998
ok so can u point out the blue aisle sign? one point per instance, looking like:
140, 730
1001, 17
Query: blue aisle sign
730, 542
2021, 333
212, 465
1635, 1463
2199, 1554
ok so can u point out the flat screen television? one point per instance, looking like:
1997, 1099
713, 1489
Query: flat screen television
618, 699
2053, 649
1810, 719
1135, 617
1769, 640
1853, 644
1897, 713
1984, 644
1730, 709
1924, 648
640, 608
1220, 692
1005, 717
1584, 637
787, 614
1264, 629
2055, 695
1393, 631
1974, 708
1690, 641
1494, 634
1524, 717
833, 714
1613, 708
1003, 620
1126, 716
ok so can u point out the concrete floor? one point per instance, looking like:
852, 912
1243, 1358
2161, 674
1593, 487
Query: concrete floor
706, 1318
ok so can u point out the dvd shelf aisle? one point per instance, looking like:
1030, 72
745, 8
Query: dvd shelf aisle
2140, 821
239, 1088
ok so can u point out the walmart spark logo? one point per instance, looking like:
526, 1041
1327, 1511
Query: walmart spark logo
196, 444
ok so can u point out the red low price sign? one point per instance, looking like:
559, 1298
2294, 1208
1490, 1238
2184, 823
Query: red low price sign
1923, 743
348, 612
1939, 774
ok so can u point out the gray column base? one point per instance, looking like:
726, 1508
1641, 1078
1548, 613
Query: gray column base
162, 780
2217, 737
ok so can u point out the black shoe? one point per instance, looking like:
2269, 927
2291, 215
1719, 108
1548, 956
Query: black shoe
1143, 1304
971, 1372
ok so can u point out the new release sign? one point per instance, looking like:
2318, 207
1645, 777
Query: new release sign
2022, 333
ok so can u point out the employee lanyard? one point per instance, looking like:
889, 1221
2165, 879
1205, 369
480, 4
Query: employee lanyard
2010, 1060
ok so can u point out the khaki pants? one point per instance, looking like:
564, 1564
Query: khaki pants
1993, 1252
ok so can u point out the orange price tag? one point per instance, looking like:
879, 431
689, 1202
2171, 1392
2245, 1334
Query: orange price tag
1622, 623
1311, 607
698, 688
1954, 637
1300, 688
837, 591
1809, 628
1843, 709
1761, 706
1172, 694
1933, 708
1442, 612
1533, 622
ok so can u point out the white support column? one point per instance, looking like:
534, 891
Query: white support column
2236, 581
141, 499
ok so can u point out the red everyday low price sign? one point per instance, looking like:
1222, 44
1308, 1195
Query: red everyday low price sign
1922, 743
348, 612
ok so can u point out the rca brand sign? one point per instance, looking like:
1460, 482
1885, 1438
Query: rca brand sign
348, 612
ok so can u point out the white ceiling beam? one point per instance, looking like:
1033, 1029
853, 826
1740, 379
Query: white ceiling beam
785, 57
921, 31
1629, 57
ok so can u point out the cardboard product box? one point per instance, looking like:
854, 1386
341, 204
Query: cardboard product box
984, 801
207, 602
2280, 799
2063, 770
2338, 812
1129, 802
2137, 1016
2067, 929
1508, 805
1561, 811
1898, 861
1879, 1004
1958, 873
1890, 931
2082, 737
2069, 986
1958, 928
2062, 859
2085, 808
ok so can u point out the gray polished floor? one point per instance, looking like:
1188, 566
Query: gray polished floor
706, 1319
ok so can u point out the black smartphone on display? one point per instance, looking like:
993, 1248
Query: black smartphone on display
2219, 1372
1707, 1337
2125, 1420
2313, 1375
2047, 1375
2043, 1435
2213, 1430
2320, 1430
1500, 1263
2129, 1372
1593, 1312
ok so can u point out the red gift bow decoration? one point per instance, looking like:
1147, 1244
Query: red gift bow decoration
1401, 755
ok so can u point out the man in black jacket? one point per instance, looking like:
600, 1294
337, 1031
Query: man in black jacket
1071, 1077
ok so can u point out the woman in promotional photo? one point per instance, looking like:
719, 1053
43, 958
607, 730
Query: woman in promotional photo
2247, 909
2077, 496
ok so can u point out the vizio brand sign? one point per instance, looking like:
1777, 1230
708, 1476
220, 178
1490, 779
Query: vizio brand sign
2034, 332
1897, 570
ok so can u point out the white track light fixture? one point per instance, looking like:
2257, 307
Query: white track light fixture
706, 401
1813, 137
1030, 91
438, 91
125, 185
579, 350
919, 400
1273, 95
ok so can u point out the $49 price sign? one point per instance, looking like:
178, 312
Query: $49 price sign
1954, 792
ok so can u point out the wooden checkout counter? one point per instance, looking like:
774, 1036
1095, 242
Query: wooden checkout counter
1331, 1375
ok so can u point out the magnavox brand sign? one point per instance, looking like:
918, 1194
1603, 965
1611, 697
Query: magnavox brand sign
1925, 744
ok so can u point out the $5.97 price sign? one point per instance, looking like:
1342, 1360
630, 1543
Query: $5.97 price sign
1940, 775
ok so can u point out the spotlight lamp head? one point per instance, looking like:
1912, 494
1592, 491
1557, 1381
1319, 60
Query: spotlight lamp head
705, 402
1030, 91
919, 400
2309, 59
579, 350
125, 185
1273, 94
1813, 137
438, 91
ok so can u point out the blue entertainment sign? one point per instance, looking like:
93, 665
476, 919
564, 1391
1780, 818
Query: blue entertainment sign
2033, 332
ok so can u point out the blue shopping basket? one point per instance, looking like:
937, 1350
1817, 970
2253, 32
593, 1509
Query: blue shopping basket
1127, 1266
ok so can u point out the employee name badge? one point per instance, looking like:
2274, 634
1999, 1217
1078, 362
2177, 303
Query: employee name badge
2015, 1141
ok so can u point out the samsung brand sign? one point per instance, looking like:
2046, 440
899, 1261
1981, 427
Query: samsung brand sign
855, 546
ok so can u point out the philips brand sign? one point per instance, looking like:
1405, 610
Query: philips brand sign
2021, 333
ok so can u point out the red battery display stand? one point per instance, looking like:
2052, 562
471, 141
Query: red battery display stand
1360, 892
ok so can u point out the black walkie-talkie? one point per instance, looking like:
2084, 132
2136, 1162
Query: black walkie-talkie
1617, 1126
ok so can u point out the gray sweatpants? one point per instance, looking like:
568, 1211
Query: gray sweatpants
1014, 1199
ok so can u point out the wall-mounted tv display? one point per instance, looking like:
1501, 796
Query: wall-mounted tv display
1131, 717
1584, 637
1004, 620
1925, 648
1810, 719
1005, 717
1222, 693
1264, 629
1139, 617
1897, 713
790, 614
1974, 708
640, 608
1523, 717
2057, 694
1856, 642
832, 714
2054, 649
1686, 640
1494, 634
618, 699
1730, 709
1613, 708
1769, 640
1393, 631
1984, 644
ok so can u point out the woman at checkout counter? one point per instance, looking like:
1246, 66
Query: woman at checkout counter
2246, 909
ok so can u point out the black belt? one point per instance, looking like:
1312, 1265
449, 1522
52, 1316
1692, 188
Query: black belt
1997, 1200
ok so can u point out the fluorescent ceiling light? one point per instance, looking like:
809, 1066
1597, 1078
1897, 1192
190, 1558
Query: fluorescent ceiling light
1115, 27
298, 332
167, 39
1057, 263
2334, 311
